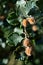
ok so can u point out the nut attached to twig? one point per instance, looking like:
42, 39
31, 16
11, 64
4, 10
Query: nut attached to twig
26, 42
28, 51
31, 20
24, 23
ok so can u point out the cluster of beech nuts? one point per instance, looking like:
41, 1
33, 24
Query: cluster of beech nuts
31, 21
26, 41
28, 47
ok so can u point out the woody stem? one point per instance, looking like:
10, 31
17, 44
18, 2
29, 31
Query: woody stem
25, 32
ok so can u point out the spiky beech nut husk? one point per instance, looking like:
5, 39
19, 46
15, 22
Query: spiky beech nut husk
28, 51
2, 17
31, 20
34, 28
24, 22
26, 42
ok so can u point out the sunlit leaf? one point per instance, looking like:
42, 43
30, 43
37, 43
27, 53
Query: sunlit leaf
15, 39
18, 30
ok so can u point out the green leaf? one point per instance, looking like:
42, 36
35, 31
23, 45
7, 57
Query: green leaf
18, 30
7, 31
15, 39
24, 10
34, 0
20, 62
20, 19
12, 18
20, 3
12, 21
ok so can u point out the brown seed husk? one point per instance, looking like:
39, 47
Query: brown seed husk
34, 28
28, 51
26, 42
31, 20
24, 23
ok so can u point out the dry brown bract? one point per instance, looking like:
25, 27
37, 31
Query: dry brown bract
31, 20
26, 42
34, 28
28, 51
24, 23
